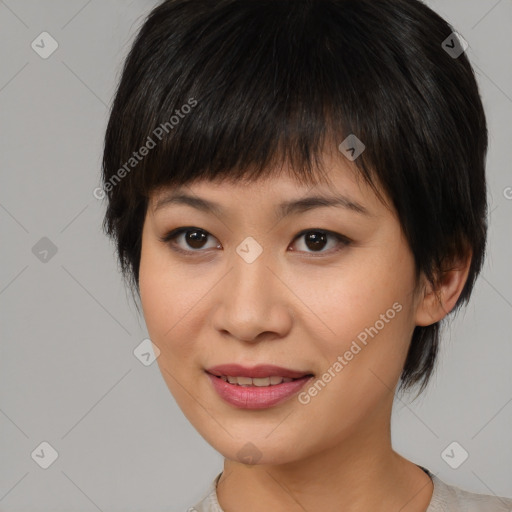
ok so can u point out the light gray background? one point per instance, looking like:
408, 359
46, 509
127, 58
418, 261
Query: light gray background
68, 375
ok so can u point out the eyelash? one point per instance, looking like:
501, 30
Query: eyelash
172, 235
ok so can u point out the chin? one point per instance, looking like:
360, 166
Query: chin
254, 450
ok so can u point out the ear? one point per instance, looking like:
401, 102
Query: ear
438, 301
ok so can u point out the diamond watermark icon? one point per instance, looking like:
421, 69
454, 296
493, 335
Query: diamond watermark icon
249, 249
454, 45
44, 45
454, 455
249, 454
146, 352
44, 455
44, 250
351, 147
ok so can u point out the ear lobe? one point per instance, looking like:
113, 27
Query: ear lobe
438, 301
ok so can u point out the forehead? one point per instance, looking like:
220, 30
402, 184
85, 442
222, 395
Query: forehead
336, 179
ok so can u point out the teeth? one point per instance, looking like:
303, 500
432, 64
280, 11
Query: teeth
258, 382
265, 381
244, 381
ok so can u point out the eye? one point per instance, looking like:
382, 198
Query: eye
196, 239
317, 239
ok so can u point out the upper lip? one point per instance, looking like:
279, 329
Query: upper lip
259, 371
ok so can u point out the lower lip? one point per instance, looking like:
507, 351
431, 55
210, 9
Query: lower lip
254, 397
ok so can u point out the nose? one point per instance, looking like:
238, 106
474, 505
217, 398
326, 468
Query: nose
252, 302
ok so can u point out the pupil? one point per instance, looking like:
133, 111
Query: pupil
195, 238
316, 239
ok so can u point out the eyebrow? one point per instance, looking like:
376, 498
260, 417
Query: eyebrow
284, 209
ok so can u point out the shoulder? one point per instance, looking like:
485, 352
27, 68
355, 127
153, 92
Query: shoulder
209, 503
453, 499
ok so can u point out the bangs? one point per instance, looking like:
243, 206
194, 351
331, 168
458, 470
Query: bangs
241, 91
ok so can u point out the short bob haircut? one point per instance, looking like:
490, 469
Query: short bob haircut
228, 89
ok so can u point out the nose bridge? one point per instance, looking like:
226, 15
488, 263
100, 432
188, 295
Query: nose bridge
251, 279
251, 302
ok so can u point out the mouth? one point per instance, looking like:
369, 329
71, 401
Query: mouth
259, 382
259, 387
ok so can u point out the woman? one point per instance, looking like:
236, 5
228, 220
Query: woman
297, 193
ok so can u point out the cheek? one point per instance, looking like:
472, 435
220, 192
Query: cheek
166, 304
155, 298
366, 321
161, 295
353, 296
171, 298
365, 315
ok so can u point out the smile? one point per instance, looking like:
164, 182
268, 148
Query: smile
256, 392
257, 382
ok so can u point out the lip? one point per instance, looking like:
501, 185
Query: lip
260, 371
253, 397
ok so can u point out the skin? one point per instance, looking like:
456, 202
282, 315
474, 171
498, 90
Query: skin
301, 312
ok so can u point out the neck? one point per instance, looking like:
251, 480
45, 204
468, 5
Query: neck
359, 473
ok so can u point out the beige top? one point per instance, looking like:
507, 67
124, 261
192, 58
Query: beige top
445, 498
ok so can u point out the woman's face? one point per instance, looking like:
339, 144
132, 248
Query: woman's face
241, 285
